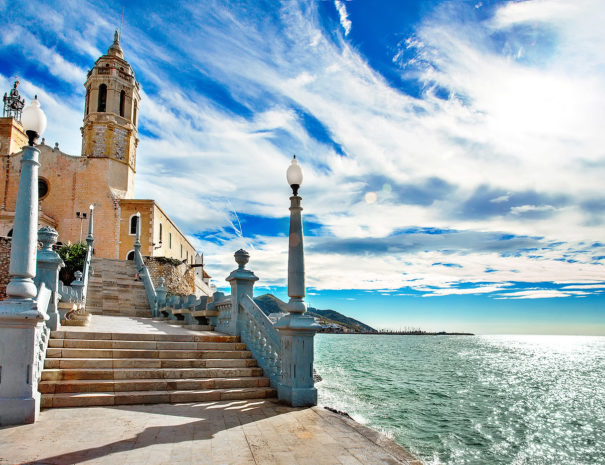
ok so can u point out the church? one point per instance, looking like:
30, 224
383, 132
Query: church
103, 175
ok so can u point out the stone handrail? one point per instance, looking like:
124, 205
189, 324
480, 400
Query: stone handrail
43, 300
86, 271
223, 320
143, 272
67, 293
261, 338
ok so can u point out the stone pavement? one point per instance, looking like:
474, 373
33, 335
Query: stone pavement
134, 325
257, 432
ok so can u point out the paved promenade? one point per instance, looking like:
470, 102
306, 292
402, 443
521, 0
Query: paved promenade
211, 433
252, 432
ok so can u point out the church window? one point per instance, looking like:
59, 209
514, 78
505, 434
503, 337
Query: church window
181, 250
42, 188
122, 103
170, 240
134, 114
87, 100
160, 232
102, 103
130, 255
133, 224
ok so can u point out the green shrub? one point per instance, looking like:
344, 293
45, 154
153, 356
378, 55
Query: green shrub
74, 256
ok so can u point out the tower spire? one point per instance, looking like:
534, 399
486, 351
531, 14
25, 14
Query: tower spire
115, 48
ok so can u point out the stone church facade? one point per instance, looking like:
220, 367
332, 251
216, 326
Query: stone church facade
103, 175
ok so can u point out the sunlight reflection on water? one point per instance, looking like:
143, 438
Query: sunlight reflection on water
473, 400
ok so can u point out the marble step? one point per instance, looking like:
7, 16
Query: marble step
59, 374
143, 337
149, 363
152, 397
148, 345
141, 353
153, 384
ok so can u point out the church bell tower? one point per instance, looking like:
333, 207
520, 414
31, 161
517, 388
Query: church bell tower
110, 113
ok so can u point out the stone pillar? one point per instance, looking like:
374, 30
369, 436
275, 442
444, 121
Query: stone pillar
297, 330
296, 259
242, 283
21, 323
78, 285
49, 264
161, 292
24, 242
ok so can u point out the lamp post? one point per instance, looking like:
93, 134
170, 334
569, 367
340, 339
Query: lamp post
22, 329
25, 237
297, 330
81, 216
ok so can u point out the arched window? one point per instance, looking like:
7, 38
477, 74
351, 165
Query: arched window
133, 224
134, 114
130, 255
122, 103
160, 232
102, 103
170, 240
87, 100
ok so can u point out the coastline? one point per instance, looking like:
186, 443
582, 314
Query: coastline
393, 448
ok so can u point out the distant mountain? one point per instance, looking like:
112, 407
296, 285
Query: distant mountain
268, 303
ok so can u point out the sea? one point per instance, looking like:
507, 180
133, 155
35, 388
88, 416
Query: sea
480, 400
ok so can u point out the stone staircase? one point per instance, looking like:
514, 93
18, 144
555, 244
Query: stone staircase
113, 290
92, 368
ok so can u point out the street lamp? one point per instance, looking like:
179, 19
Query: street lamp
22, 267
296, 256
81, 216
33, 120
296, 329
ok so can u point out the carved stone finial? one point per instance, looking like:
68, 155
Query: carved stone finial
48, 237
78, 275
241, 258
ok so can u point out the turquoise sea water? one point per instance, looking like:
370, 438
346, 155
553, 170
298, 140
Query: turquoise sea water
484, 400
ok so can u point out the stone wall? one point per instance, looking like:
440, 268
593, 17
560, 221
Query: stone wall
5, 258
178, 279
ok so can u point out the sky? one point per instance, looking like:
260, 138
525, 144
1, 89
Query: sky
453, 151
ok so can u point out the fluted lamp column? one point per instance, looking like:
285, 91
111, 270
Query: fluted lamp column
296, 329
90, 237
24, 311
22, 269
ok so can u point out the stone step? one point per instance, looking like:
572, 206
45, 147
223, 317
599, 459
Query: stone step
154, 384
59, 374
152, 397
141, 353
143, 337
147, 345
149, 363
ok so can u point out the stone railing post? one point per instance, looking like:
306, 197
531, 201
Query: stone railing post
21, 322
78, 285
49, 263
161, 293
242, 283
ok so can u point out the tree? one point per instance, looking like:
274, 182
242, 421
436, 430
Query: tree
73, 255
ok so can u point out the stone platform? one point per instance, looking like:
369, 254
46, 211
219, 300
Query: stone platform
252, 432
136, 325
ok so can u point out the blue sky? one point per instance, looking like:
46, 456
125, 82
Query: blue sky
453, 152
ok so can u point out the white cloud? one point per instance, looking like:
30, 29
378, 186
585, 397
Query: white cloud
345, 22
516, 122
